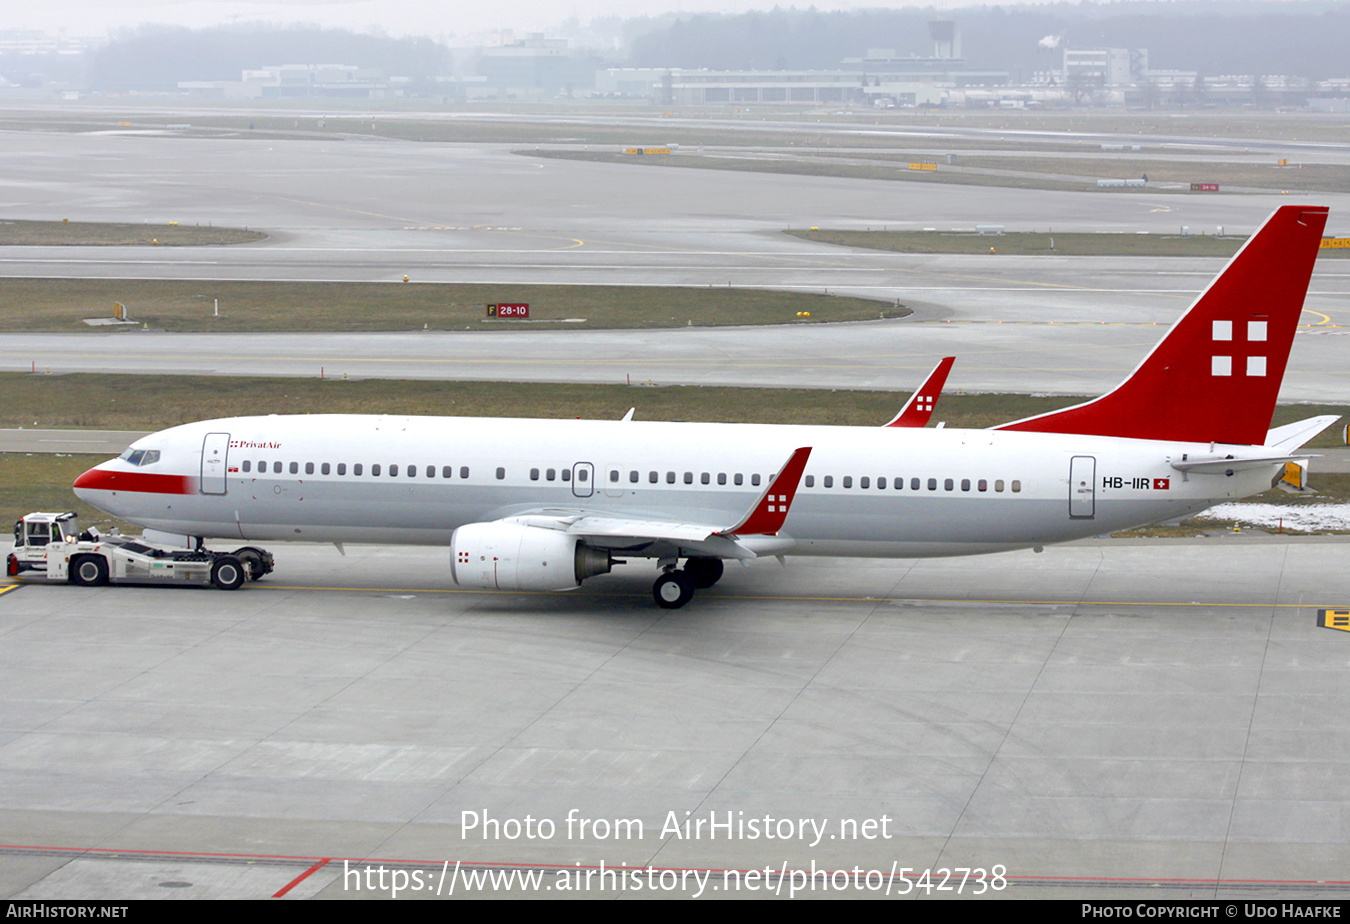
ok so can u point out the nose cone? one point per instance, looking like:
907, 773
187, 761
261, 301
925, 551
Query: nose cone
116, 482
91, 487
96, 485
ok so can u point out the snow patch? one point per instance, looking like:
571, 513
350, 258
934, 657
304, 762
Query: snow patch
1307, 518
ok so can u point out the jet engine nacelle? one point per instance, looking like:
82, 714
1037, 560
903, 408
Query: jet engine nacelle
509, 556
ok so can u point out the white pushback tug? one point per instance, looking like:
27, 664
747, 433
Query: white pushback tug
53, 545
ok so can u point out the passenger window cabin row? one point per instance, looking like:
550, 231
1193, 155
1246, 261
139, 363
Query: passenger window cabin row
447, 472
917, 484
325, 468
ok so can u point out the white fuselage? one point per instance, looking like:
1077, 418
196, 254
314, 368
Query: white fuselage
875, 492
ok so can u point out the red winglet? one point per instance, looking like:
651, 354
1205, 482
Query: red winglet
919, 408
767, 516
1217, 373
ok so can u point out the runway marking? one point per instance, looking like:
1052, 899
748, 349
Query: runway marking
302, 877
879, 364
801, 599
1334, 619
1324, 322
284, 859
335, 208
406, 221
7, 588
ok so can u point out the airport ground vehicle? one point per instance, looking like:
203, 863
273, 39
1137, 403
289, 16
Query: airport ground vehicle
53, 545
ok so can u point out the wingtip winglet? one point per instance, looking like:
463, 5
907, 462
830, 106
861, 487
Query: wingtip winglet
771, 510
918, 410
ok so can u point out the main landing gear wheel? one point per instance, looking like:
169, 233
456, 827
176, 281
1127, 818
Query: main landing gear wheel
704, 572
228, 573
89, 571
673, 590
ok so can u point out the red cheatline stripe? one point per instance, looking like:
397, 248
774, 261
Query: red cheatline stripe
98, 479
302, 877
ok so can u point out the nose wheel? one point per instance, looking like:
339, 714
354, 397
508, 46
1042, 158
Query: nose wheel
672, 590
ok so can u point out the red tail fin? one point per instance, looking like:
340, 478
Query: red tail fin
1217, 373
919, 407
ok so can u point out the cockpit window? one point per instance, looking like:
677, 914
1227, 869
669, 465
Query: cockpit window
140, 456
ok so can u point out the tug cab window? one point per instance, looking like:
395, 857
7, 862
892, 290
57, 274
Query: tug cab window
37, 533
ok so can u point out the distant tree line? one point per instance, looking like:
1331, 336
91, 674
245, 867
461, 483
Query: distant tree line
158, 57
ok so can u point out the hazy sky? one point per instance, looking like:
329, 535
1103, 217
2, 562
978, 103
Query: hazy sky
437, 18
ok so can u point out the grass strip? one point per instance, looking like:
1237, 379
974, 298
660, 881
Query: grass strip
119, 233
189, 305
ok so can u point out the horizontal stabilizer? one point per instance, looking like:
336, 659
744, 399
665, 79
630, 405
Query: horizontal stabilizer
1292, 436
1224, 465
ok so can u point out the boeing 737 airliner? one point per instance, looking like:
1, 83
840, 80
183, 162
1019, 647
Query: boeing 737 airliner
546, 504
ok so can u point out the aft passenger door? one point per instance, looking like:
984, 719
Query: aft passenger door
215, 448
1082, 487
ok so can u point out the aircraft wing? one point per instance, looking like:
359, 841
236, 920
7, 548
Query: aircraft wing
748, 536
